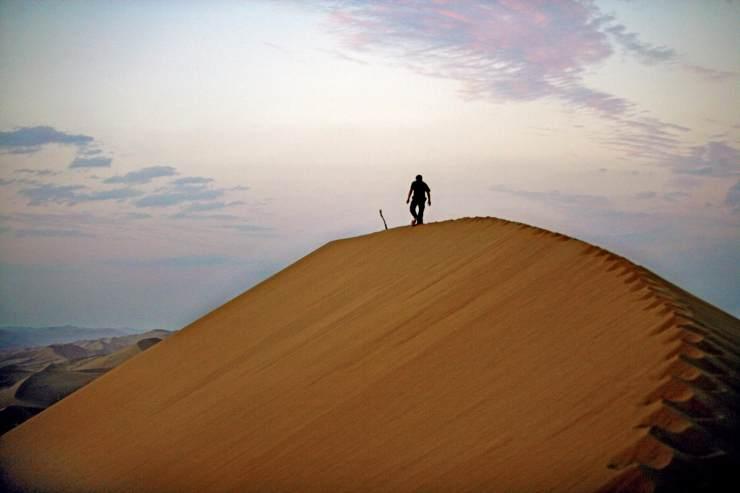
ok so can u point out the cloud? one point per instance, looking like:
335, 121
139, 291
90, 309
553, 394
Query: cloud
194, 191
249, 228
179, 196
72, 194
192, 180
48, 192
645, 195
185, 261
114, 194
36, 219
513, 49
206, 217
555, 197
709, 73
4, 182
675, 195
516, 50
732, 200
37, 172
90, 162
67, 233
144, 175
89, 151
26, 140
646, 138
343, 56
645, 52
137, 215
717, 159
210, 206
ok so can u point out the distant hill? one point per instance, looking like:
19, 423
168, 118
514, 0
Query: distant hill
32, 379
16, 337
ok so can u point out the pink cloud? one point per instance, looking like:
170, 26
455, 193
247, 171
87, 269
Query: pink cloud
516, 50
510, 49
710, 74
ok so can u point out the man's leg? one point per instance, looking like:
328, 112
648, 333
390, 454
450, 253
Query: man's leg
420, 215
413, 210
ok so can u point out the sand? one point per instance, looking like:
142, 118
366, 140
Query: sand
468, 355
31, 379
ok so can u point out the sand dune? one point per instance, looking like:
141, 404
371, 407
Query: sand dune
469, 355
32, 379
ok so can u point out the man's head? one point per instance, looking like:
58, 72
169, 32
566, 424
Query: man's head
418, 177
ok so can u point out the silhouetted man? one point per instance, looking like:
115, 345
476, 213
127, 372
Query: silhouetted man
418, 188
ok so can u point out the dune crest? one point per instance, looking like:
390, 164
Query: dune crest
468, 355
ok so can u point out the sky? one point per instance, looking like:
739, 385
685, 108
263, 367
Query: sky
159, 158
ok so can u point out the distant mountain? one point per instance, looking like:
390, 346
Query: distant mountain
31, 379
17, 337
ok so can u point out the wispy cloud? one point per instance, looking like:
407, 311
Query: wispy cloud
517, 50
37, 172
144, 175
555, 197
178, 196
48, 192
25, 140
718, 159
646, 138
645, 52
206, 217
192, 180
645, 195
732, 199
136, 215
73, 194
54, 233
249, 228
210, 206
344, 56
195, 210
90, 162
675, 195
195, 192
44, 219
88, 151
513, 49
709, 73
113, 194
185, 261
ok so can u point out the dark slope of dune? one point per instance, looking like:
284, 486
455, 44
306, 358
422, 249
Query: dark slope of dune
470, 355
13, 415
51, 384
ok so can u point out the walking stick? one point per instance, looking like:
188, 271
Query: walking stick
381, 217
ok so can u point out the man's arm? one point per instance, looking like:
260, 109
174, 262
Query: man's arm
408, 197
429, 193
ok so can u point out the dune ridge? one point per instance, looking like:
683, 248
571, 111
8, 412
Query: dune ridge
468, 355
691, 439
